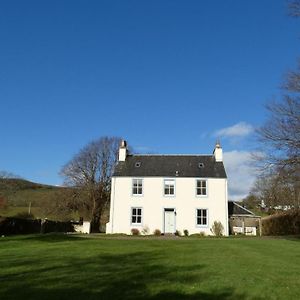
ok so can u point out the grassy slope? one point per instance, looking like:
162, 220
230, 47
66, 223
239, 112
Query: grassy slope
68, 267
19, 193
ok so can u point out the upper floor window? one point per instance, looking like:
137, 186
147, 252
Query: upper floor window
201, 187
137, 187
201, 218
169, 187
136, 215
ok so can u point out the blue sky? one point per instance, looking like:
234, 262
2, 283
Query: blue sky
169, 76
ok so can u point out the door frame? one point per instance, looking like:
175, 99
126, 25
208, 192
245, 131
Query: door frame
169, 209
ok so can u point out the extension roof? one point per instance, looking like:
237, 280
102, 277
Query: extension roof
170, 166
235, 209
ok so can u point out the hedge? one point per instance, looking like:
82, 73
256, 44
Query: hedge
286, 223
11, 225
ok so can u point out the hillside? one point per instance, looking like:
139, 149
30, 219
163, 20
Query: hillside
9, 184
16, 195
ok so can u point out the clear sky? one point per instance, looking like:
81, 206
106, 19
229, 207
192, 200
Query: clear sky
169, 76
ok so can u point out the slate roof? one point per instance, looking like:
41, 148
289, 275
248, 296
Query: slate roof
237, 210
170, 166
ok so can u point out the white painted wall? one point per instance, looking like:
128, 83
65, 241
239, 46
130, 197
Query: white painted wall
153, 203
84, 228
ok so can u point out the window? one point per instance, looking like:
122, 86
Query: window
136, 215
201, 165
137, 186
201, 188
137, 164
201, 217
169, 188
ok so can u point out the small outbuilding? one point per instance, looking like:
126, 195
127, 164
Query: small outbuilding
242, 220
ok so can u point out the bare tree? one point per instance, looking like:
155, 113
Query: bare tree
275, 190
280, 135
89, 173
279, 140
294, 8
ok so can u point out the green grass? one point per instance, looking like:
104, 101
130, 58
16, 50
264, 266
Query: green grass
94, 267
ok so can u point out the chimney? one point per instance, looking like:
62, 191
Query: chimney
123, 151
218, 152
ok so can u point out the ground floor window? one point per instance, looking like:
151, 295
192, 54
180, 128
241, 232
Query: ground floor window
201, 218
136, 215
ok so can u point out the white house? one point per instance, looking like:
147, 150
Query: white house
168, 192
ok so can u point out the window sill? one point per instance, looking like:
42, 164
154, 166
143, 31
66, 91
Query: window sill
202, 226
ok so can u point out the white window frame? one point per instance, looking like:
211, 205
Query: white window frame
136, 216
206, 187
174, 187
132, 187
207, 219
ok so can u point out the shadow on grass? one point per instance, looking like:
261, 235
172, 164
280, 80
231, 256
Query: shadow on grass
294, 238
147, 275
46, 237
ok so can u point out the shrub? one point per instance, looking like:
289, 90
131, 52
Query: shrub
198, 235
186, 232
177, 233
287, 223
145, 230
157, 232
135, 231
217, 228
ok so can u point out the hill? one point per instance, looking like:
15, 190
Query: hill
19, 196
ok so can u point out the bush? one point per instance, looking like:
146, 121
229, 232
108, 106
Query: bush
199, 235
186, 232
217, 229
287, 223
157, 232
177, 233
145, 230
135, 231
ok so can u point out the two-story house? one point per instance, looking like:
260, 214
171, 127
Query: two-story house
168, 192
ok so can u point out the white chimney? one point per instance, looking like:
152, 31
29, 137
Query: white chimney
218, 152
123, 151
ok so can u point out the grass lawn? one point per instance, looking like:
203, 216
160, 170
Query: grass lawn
73, 267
